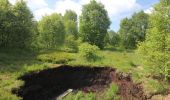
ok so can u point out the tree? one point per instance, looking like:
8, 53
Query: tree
70, 22
127, 40
94, 23
16, 24
115, 38
23, 25
133, 30
51, 31
107, 40
112, 38
156, 48
5, 22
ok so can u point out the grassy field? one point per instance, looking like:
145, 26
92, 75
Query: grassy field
18, 62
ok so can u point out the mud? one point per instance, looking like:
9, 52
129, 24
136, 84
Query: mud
50, 83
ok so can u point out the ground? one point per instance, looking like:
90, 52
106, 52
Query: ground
16, 63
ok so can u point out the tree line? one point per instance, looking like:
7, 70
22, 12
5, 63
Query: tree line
149, 33
19, 29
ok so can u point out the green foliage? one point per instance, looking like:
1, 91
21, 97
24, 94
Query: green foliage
89, 51
112, 39
110, 94
107, 40
70, 22
133, 30
51, 31
94, 23
16, 24
70, 44
115, 38
155, 49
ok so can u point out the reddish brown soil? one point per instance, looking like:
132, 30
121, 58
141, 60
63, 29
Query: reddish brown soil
50, 83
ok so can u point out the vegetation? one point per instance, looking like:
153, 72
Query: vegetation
89, 51
112, 38
92, 30
109, 94
141, 47
16, 25
156, 49
133, 30
70, 22
51, 33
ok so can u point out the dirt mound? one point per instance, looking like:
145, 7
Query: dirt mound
50, 83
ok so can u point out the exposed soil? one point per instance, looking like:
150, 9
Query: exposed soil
50, 83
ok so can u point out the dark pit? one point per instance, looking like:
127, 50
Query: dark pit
50, 83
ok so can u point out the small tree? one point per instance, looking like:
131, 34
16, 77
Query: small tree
89, 51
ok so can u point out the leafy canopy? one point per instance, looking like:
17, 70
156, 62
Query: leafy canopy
94, 23
133, 30
51, 29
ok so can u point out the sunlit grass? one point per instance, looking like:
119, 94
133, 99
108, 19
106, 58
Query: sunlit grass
120, 60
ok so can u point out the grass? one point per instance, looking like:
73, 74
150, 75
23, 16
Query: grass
108, 94
123, 61
14, 63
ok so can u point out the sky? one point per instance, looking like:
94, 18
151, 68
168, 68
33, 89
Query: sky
117, 9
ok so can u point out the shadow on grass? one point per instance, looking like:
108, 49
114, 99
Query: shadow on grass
13, 60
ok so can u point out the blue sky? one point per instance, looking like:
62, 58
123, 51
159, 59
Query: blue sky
117, 9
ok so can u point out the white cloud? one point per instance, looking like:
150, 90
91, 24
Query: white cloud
63, 5
39, 7
42, 12
116, 7
36, 4
149, 10
33, 4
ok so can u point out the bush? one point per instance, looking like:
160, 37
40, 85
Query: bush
89, 51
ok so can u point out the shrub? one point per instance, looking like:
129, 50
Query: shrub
89, 52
